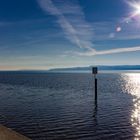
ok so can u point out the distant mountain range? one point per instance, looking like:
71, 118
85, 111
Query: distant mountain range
117, 67
82, 69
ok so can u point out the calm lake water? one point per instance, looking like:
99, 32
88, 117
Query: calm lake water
45, 106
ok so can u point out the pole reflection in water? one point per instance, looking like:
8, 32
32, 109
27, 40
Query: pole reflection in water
132, 86
95, 120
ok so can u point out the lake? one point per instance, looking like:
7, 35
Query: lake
60, 106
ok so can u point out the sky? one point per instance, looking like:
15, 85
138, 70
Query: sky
45, 34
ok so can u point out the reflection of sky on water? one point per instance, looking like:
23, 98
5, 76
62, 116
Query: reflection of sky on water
132, 86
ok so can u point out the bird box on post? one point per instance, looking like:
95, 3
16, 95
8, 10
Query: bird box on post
94, 70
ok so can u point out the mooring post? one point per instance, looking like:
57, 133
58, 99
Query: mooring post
95, 89
95, 71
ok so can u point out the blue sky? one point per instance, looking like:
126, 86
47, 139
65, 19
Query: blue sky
44, 34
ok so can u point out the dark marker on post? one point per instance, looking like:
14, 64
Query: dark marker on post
95, 71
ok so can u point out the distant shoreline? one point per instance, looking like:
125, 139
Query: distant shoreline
88, 69
69, 71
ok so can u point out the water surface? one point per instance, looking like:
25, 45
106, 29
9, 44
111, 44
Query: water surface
45, 106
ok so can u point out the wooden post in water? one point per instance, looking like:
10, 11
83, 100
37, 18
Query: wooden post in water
95, 71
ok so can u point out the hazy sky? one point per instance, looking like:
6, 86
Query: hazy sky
43, 34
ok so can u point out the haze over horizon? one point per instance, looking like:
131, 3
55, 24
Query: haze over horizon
45, 34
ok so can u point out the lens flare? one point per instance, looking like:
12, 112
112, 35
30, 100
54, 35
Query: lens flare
118, 29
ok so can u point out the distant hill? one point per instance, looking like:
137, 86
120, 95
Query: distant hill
117, 67
80, 69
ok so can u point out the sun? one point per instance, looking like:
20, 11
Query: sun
136, 8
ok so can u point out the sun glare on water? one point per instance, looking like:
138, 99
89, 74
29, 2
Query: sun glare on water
132, 86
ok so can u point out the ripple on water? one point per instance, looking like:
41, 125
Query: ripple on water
61, 106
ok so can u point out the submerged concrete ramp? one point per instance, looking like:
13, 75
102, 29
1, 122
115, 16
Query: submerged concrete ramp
8, 134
